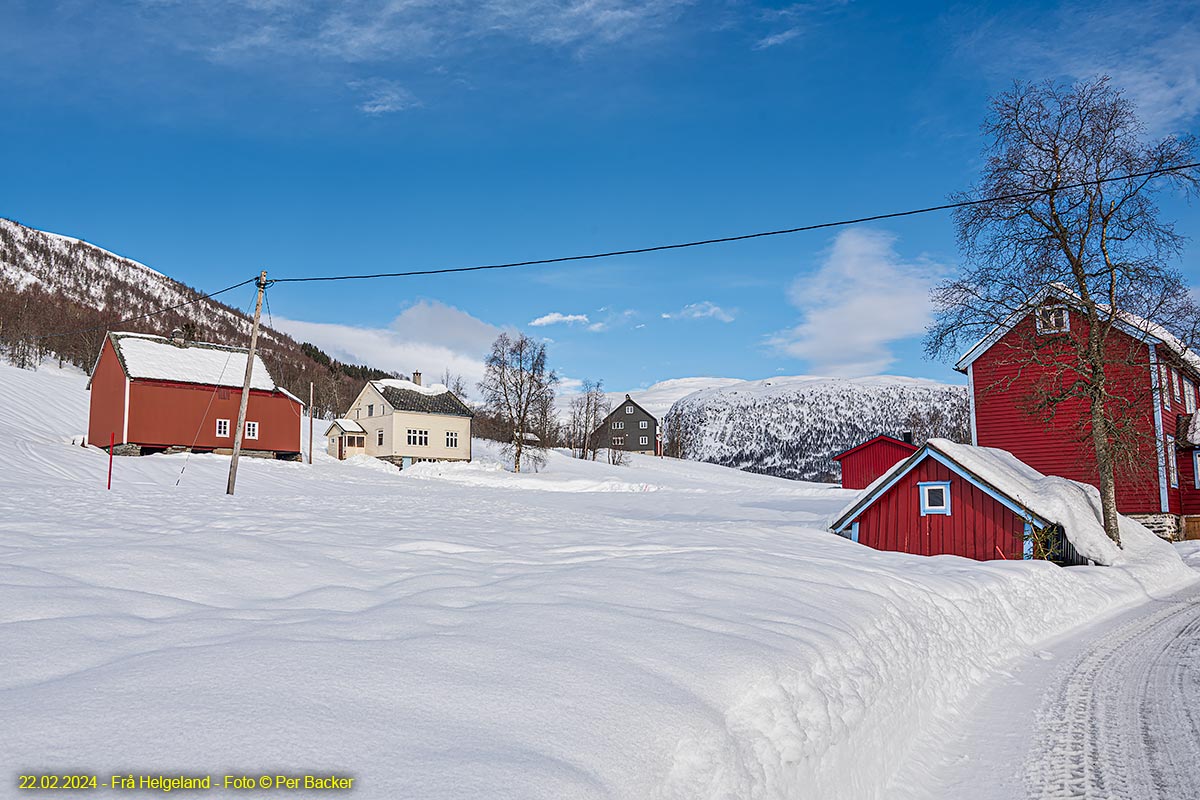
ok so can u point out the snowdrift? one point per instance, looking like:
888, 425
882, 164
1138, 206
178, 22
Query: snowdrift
437, 634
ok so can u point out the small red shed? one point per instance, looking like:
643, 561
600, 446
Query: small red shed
863, 463
976, 502
152, 394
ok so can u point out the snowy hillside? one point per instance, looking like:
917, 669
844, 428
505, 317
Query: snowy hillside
662, 630
659, 397
791, 426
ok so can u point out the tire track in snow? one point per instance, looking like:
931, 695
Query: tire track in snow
1124, 718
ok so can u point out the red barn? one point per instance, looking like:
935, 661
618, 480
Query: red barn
975, 502
1152, 375
866, 462
152, 394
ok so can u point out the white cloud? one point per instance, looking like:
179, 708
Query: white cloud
702, 310
556, 318
428, 336
612, 319
1148, 48
863, 298
383, 96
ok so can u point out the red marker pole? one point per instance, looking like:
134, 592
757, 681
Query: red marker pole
112, 442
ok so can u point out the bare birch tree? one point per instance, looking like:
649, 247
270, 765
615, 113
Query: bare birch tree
1103, 246
588, 410
519, 389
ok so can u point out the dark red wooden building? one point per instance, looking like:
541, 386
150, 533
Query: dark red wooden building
954, 499
866, 462
1151, 374
152, 394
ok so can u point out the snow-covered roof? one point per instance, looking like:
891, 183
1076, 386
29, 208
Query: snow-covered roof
347, 425
1133, 324
1049, 499
408, 396
148, 357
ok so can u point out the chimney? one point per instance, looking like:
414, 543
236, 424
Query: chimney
177, 337
906, 436
416, 378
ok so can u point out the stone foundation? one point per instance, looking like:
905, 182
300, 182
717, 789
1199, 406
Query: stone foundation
126, 450
1165, 526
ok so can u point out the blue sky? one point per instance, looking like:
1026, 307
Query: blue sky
212, 138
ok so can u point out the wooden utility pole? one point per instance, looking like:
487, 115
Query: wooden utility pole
241, 423
310, 421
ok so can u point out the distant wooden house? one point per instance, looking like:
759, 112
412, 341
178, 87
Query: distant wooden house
403, 423
865, 462
153, 394
631, 428
955, 499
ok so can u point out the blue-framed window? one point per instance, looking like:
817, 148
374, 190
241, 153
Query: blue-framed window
935, 497
1196, 468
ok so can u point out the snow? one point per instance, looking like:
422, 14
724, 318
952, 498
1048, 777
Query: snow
457, 630
409, 386
155, 358
348, 425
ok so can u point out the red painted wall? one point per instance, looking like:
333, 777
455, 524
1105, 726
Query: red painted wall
106, 411
872, 460
978, 526
1057, 447
163, 414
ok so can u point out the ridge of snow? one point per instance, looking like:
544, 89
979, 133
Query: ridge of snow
409, 386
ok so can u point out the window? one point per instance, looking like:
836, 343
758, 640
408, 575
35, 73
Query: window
451, 439
251, 430
643, 440
628, 409
1053, 319
223, 428
1196, 468
618, 426
643, 424
357, 413
379, 438
1164, 384
1172, 462
935, 497
1177, 385
618, 441
222, 394
1189, 396
418, 438
356, 441
370, 409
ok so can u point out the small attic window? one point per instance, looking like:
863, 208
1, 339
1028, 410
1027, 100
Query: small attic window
935, 498
1053, 319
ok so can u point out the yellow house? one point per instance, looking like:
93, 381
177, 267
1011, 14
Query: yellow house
404, 422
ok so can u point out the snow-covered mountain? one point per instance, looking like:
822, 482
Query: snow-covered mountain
792, 426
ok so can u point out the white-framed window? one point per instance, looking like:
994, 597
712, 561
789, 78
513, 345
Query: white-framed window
357, 413
1177, 385
618, 441
1053, 319
618, 426
1189, 396
1172, 462
1164, 384
628, 409
418, 438
935, 497
370, 409
223, 428
1196, 468
251, 430
379, 438
643, 440
644, 424
451, 439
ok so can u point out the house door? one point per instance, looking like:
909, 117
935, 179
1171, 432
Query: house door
341, 440
1191, 527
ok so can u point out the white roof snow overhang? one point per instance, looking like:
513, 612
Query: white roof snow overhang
906, 466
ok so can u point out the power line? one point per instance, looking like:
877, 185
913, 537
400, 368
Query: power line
740, 237
109, 325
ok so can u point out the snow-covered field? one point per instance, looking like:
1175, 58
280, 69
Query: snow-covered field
662, 630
